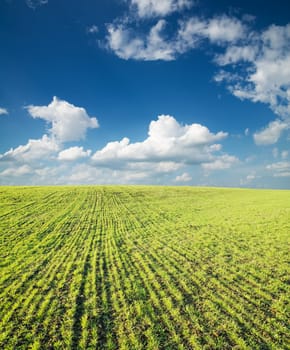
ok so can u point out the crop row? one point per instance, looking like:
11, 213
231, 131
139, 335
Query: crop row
143, 268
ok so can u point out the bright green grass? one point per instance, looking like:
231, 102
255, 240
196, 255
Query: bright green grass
143, 268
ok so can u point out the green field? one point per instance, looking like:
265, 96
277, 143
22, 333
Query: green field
144, 268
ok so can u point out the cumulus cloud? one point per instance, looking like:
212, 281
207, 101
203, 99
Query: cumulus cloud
73, 153
3, 111
167, 141
126, 43
38, 157
271, 133
43, 148
169, 147
68, 122
185, 177
153, 8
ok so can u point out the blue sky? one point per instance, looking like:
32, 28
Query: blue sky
173, 92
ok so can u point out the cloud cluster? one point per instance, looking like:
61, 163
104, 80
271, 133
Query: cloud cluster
267, 75
254, 65
169, 147
126, 43
66, 123
264, 75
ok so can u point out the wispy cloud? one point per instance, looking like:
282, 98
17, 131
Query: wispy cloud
92, 29
33, 4
151, 47
126, 43
279, 169
3, 111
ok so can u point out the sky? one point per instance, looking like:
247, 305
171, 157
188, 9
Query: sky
167, 92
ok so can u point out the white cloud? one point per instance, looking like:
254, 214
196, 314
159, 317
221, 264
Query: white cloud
271, 133
17, 171
259, 61
88, 174
73, 154
220, 29
249, 179
220, 163
185, 177
167, 141
153, 8
169, 147
279, 169
69, 123
3, 111
126, 43
161, 167
42, 149
36, 3
235, 54
265, 76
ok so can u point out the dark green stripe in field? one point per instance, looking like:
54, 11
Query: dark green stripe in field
144, 268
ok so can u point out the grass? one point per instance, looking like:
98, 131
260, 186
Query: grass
144, 268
